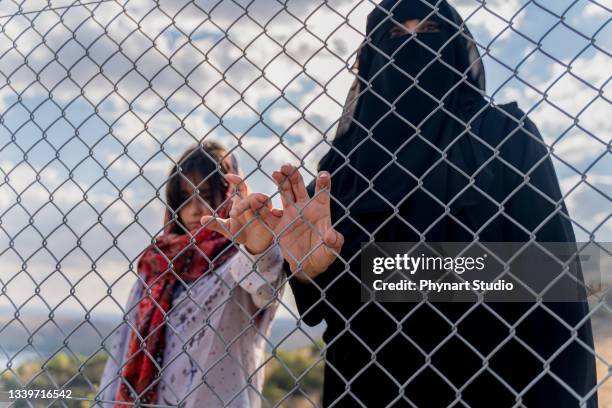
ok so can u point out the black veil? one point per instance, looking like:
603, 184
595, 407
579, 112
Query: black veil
381, 138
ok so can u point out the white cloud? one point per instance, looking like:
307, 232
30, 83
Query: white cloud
492, 16
594, 8
570, 93
587, 206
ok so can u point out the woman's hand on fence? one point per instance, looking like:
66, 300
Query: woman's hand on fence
244, 225
304, 224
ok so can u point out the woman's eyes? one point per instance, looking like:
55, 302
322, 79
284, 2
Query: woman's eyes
430, 27
205, 196
410, 27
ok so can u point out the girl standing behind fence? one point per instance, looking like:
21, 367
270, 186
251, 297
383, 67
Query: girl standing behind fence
194, 333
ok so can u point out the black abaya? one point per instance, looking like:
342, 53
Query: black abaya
445, 354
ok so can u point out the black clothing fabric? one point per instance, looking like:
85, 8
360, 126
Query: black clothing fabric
442, 354
486, 362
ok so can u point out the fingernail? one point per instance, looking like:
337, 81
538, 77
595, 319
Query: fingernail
323, 174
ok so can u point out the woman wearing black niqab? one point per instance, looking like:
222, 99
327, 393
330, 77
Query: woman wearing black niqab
415, 129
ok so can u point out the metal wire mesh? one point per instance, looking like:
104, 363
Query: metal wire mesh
98, 98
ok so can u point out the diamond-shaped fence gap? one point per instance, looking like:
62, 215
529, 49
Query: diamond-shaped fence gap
130, 83
127, 233
244, 32
19, 229
18, 176
153, 169
597, 195
546, 21
255, 147
29, 137
15, 116
115, 22
578, 150
262, 12
45, 112
83, 71
597, 11
49, 326
282, 26
12, 326
102, 51
314, 112
222, 14
49, 278
568, 96
589, 119
575, 42
59, 132
81, 166
221, 99
77, 112
27, 40
223, 53
302, 46
186, 15
129, 129
167, 81
15, 25
164, 124
241, 74
185, 102
293, 333
88, 31
114, 65
21, 77
283, 112
324, 21
40, 60
194, 117
68, 52
51, 75
296, 365
97, 238
22, 370
20, 291
599, 168
12, 58
188, 57
119, 290
157, 22
148, 104
113, 264
65, 90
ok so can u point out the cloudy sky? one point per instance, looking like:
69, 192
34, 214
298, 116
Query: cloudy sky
98, 98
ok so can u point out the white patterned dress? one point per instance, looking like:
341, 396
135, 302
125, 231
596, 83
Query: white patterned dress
215, 339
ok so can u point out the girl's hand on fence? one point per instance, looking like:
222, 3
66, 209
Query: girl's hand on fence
305, 223
244, 224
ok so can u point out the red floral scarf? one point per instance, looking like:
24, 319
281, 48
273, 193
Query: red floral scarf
144, 361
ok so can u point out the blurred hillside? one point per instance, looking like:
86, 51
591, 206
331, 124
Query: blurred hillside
293, 379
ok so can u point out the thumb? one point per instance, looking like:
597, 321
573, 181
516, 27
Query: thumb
220, 225
333, 241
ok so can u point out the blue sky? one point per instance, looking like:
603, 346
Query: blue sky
92, 110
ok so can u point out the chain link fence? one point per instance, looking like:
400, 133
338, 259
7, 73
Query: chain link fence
98, 99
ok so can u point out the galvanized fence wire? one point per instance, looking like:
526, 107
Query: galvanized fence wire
29, 30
